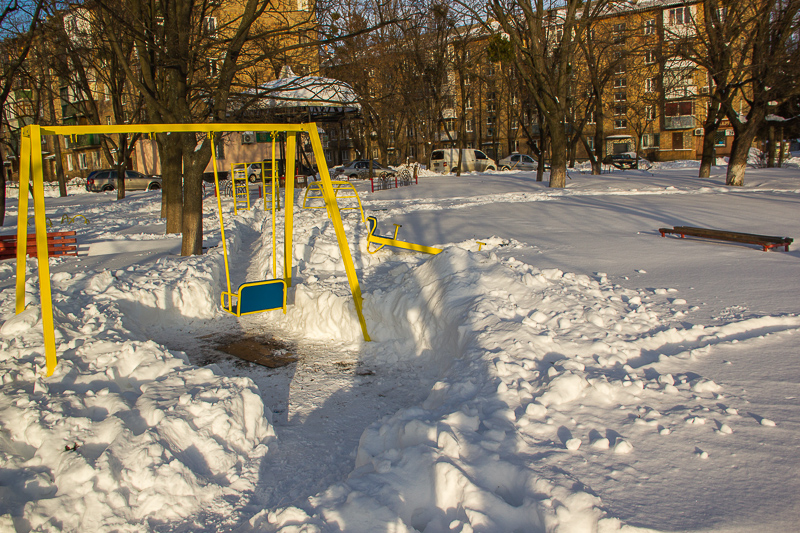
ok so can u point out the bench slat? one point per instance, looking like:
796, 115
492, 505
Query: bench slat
58, 243
765, 241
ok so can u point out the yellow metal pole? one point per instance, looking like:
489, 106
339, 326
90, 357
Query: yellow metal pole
272, 203
219, 210
22, 216
333, 212
291, 148
45, 293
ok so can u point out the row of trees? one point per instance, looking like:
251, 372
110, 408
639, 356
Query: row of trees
550, 69
426, 71
160, 61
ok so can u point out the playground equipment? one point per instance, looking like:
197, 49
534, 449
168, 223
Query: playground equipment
256, 296
382, 241
251, 297
314, 192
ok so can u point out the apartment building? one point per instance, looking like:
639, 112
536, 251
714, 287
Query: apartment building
74, 79
652, 101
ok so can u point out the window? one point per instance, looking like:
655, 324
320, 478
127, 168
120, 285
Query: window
410, 131
620, 124
650, 140
620, 82
620, 68
620, 97
491, 107
345, 156
108, 120
69, 162
96, 159
620, 110
514, 123
650, 112
302, 5
720, 139
677, 109
469, 125
649, 57
650, 85
650, 27
619, 28
412, 151
490, 132
210, 26
490, 97
679, 16
82, 161
489, 120
468, 103
212, 68
590, 119
590, 143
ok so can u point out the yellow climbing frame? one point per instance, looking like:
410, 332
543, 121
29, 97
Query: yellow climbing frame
31, 170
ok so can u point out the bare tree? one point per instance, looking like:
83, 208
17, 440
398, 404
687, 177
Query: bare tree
19, 22
750, 51
546, 36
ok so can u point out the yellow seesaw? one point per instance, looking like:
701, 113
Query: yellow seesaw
382, 241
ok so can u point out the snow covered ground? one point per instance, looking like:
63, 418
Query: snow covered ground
578, 373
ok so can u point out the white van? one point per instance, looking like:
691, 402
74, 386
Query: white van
444, 160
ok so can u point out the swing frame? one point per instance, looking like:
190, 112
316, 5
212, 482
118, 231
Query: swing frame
31, 172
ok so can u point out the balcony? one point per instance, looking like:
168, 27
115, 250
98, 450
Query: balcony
674, 93
83, 141
679, 123
443, 136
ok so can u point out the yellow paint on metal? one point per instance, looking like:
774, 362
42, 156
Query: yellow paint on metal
31, 169
336, 218
273, 197
480, 245
288, 229
221, 227
338, 186
381, 241
22, 211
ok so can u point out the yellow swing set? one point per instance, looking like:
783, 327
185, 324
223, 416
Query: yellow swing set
251, 297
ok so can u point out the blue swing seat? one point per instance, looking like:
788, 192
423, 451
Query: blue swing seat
256, 296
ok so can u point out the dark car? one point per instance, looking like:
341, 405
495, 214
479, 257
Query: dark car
621, 161
106, 180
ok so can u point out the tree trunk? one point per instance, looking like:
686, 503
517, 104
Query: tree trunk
781, 151
599, 137
2, 190
771, 145
739, 153
195, 162
707, 160
170, 153
558, 156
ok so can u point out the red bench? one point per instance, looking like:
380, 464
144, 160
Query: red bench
58, 243
765, 241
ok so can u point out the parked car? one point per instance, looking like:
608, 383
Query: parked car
106, 180
621, 161
518, 162
302, 172
359, 169
444, 160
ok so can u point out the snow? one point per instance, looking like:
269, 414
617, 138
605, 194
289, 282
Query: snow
578, 373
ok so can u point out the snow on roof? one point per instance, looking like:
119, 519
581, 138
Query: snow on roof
306, 91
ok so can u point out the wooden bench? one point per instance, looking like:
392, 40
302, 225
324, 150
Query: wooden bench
765, 241
58, 243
